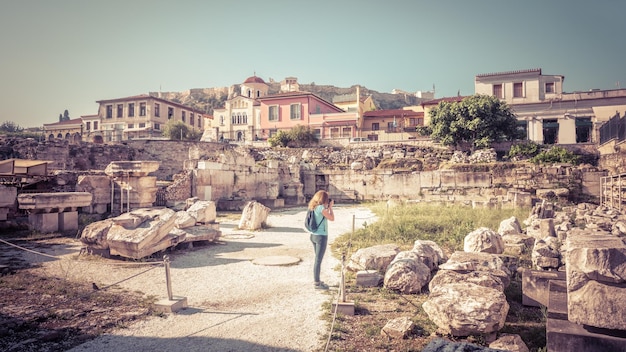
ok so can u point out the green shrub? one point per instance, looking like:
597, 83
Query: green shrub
524, 150
556, 155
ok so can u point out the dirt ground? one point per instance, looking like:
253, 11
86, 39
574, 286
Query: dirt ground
65, 300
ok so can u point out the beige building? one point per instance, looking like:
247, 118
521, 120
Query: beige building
71, 130
545, 112
239, 119
142, 117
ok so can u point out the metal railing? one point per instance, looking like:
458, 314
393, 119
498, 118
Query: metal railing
613, 129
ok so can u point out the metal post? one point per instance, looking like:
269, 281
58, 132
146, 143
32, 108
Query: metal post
168, 280
122, 195
342, 287
112, 195
128, 194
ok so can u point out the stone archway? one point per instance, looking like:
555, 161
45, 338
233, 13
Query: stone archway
77, 138
98, 139
59, 136
51, 137
68, 136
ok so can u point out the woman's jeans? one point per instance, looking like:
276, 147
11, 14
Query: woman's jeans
319, 245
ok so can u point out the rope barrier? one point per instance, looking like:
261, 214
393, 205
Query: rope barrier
60, 258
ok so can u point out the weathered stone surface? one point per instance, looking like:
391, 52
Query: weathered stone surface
253, 217
94, 235
481, 278
52, 201
483, 240
596, 281
510, 342
146, 239
432, 255
407, 273
466, 309
373, 258
132, 220
481, 262
398, 328
184, 220
545, 256
369, 278
131, 168
510, 226
8, 195
204, 211
98, 185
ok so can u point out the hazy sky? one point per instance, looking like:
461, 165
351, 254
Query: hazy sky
67, 54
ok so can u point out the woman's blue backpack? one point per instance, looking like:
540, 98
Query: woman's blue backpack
309, 221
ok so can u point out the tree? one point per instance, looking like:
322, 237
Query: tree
10, 127
478, 120
298, 136
178, 130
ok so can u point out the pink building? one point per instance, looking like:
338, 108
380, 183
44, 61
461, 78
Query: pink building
287, 110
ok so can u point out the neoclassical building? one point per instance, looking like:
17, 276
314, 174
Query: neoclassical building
240, 118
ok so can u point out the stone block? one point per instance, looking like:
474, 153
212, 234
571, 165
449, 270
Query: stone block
171, 305
535, 290
8, 195
44, 222
3, 214
369, 278
68, 221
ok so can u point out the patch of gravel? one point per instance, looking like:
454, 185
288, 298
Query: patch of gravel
233, 304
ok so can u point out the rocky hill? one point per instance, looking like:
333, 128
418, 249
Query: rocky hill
208, 99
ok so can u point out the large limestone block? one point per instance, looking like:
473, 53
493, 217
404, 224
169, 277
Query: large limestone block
373, 258
203, 211
483, 240
145, 239
8, 195
131, 168
253, 216
407, 273
46, 202
510, 226
478, 261
596, 280
432, 255
465, 309
98, 185
481, 278
94, 235
184, 220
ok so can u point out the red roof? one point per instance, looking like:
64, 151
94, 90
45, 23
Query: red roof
446, 99
254, 79
75, 121
393, 112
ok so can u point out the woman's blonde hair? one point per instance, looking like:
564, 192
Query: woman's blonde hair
320, 197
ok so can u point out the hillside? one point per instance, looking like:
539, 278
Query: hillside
208, 99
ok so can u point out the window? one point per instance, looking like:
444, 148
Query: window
95, 125
245, 118
131, 125
346, 132
88, 125
157, 126
497, 91
391, 126
192, 120
318, 109
273, 113
583, 129
334, 132
142, 125
375, 126
200, 121
157, 110
550, 87
221, 120
131, 109
294, 111
170, 112
109, 113
183, 115
120, 110
518, 90
142, 109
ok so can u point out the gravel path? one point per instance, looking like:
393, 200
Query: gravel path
233, 304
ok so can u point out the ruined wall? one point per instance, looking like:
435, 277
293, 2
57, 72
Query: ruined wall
227, 172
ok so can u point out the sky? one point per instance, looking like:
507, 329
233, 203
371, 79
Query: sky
58, 55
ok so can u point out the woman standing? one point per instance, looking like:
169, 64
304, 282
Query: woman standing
322, 207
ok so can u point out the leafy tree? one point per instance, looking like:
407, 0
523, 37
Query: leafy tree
10, 127
178, 130
299, 136
65, 116
478, 119
525, 150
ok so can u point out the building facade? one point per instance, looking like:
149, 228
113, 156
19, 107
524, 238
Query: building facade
142, 117
546, 113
